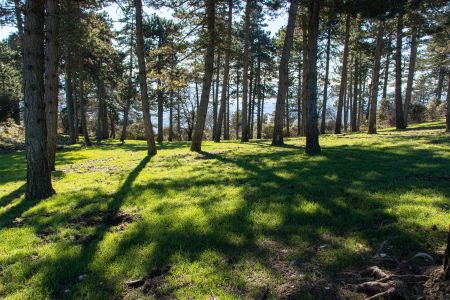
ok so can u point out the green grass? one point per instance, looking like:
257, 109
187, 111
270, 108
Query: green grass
229, 221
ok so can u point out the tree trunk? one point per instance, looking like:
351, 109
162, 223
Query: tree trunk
343, 85
353, 124
305, 67
440, 83
386, 70
143, 80
375, 79
70, 103
83, 104
102, 118
246, 60
216, 94
51, 78
399, 116
448, 107
312, 132
207, 78
411, 70
348, 98
326, 82
159, 97
226, 73
227, 114
283, 71
237, 103
170, 138
19, 21
130, 95
39, 185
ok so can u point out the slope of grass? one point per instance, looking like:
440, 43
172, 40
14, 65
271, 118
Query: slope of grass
230, 222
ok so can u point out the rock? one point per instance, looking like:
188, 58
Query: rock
134, 283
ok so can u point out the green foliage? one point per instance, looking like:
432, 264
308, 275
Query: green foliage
228, 221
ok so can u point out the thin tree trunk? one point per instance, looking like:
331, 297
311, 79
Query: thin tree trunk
207, 78
39, 185
283, 71
143, 80
160, 96
288, 134
399, 116
130, 95
312, 132
216, 94
386, 69
259, 115
83, 104
326, 82
348, 98
440, 83
354, 115
343, 85
227, 114
411, 70
246, 60
299, 93
375, 79
226, 73
70, 103
305, 67
252, 104
19, 21
448, 107
237, 103
170, 138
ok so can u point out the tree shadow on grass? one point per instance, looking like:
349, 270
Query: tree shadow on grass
297, 204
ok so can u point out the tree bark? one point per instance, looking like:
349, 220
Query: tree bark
343, 85
246, 60
326, 82
348, 97
277, 139
411, 71
237, 103
440, 83
83, 104
312, 132
143, 80
207, 78
399, 116
226, 73
130, 95
39, 185
448, 107
216, 94
386, 69
375, 79
170, 138
51, 78
354, 115
70, 103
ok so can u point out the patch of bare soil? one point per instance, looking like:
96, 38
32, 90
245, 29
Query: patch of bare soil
154, 284
119, 221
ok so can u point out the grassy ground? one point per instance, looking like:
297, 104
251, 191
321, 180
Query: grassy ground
235, 221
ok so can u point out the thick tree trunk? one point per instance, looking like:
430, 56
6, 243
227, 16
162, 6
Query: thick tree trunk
143, 80
226, 73
207, 77
283, 70
51, 78
411, 70
343, 85
70, 103
375, 79
299, 94
354, 115
312, 132
325, 85
399, 115
245, 61
39, 185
